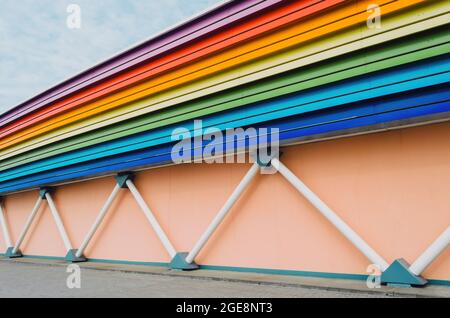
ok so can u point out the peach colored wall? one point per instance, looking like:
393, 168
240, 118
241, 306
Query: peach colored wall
390, 187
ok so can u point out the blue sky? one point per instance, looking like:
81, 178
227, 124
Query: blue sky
38, 50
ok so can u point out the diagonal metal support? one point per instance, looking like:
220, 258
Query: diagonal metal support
58, 221
431, 253
15, 251
185, 263
4, 225
70, 256
79, 253
331, 216
151, 218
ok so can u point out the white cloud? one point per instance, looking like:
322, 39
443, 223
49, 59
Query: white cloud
37, 50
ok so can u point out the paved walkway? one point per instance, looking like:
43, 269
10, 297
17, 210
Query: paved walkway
35, 278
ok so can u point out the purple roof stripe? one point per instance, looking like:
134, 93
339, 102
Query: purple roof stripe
209, 22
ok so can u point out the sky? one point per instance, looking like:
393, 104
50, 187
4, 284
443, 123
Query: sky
39, 50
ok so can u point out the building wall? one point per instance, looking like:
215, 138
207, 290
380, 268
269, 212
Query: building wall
390, 187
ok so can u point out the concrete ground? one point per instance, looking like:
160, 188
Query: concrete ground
39, 278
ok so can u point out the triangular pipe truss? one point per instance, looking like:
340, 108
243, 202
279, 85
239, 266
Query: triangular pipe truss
399, 272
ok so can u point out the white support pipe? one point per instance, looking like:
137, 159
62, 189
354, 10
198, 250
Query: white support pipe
431, 253
28, 224
151, 219
222, 213
351, 235
99, 220
5, 230
58, 221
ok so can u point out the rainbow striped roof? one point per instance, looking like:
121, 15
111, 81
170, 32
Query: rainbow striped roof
313, 69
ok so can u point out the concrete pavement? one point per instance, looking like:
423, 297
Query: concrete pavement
43, 278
